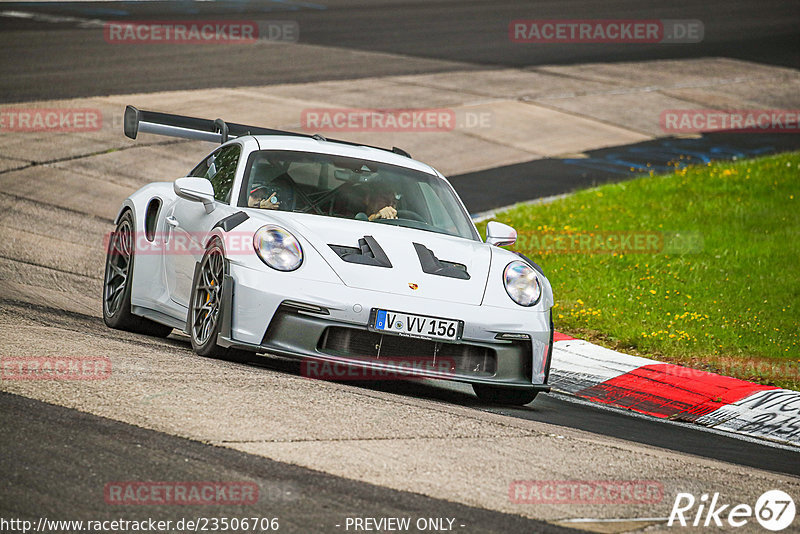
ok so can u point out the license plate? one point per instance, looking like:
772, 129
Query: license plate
410, 324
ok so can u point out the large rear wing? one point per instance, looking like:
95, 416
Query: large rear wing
217, 131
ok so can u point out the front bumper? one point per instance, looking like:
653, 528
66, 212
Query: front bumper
328, 322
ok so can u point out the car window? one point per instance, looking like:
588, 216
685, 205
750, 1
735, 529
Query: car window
338, 186
201, 169
220, 169
438, 211
305, 173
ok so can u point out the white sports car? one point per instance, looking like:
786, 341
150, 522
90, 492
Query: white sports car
332, 252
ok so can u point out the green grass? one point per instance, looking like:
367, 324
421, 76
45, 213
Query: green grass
722, 294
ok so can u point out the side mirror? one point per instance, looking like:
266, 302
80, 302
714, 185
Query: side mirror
196, 190
500, 235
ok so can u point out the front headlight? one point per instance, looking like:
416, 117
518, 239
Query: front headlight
278, 248
522, 284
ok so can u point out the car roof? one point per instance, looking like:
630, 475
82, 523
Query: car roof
310, 144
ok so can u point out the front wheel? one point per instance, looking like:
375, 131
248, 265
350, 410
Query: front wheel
205, 307
506, 396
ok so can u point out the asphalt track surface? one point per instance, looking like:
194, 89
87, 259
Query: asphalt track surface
564, 411
49, 60
54, 457
57, 461
53, 444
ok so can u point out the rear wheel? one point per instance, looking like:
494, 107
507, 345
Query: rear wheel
117, 284
205, 312
501, 395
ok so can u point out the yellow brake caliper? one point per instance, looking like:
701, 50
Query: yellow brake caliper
208, 295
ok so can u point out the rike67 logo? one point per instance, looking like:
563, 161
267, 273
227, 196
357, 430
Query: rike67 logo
774, 510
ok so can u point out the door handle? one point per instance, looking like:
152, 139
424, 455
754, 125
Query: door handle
172, 221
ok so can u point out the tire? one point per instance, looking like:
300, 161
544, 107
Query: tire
504, 396
550, 348
118, 281
205, 307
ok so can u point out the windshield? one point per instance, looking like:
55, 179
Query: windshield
335, 186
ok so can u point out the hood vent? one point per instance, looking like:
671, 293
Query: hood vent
369, 252
433, 265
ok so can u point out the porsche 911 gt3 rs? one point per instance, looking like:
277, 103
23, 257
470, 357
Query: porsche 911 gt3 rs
333, 252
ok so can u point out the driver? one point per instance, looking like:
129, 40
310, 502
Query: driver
263, 197
380, 202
